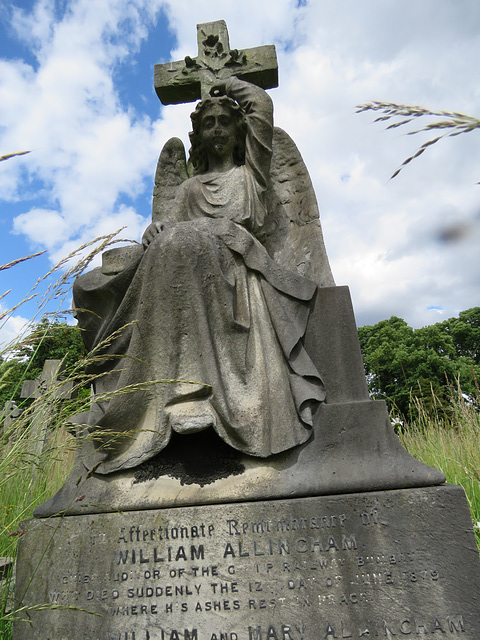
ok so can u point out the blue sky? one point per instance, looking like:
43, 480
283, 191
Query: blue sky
76, 87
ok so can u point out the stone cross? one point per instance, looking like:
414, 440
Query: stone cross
49, 376
192, 78
47, 383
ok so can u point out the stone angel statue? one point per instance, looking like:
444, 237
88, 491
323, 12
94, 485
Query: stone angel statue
217, 299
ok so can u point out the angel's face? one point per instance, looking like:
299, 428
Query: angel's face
218, 131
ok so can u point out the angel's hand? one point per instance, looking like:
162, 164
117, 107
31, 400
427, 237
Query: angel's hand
151, 231
218, 89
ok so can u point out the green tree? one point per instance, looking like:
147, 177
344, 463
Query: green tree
47, 341
402, 363
465, 335
385, 349
465, 332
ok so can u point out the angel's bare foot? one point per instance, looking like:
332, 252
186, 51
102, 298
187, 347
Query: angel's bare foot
191, 417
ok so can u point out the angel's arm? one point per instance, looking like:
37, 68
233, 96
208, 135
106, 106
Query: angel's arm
258, 108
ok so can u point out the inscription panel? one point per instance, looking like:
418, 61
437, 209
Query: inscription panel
380, 565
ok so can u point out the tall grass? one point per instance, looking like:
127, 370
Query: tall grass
33, 467
450, 441
451, 123
26, 480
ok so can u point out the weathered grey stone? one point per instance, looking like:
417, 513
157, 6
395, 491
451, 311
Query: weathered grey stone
9, 414
205, 307
118, 259
46, 390
192, 78
388, 564
7, 585
206, 325
6, 565
49, 383
355, 450
226, 320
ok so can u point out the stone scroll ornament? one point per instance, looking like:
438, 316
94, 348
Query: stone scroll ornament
218, 298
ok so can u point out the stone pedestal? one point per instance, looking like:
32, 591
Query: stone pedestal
385, 564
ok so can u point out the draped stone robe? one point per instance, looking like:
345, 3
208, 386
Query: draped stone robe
207, 309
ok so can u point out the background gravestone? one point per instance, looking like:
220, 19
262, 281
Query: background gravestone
47, 389
344, 536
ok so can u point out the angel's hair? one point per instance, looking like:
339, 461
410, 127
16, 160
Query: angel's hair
198, 155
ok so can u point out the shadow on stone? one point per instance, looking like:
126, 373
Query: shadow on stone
202, 460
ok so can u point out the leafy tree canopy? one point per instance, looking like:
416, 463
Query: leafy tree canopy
401, 362
48, 341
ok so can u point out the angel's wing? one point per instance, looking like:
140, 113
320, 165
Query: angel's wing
294, 236
171, 172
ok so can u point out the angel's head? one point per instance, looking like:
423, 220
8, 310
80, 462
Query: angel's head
210, 114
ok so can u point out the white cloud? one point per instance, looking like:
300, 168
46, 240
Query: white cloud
11, 327
381, 235
89, 149
47, 227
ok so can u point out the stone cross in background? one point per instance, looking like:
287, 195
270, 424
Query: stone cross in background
52, 370
47, 388
192, 78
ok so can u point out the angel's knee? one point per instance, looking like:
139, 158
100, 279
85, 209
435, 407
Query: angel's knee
181, 240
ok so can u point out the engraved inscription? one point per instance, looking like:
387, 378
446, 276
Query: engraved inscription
215, 573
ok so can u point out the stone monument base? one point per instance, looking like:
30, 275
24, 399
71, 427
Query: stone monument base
386, 564
353, 448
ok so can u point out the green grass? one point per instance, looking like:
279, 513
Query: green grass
25, 482
27, 478
452, 445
